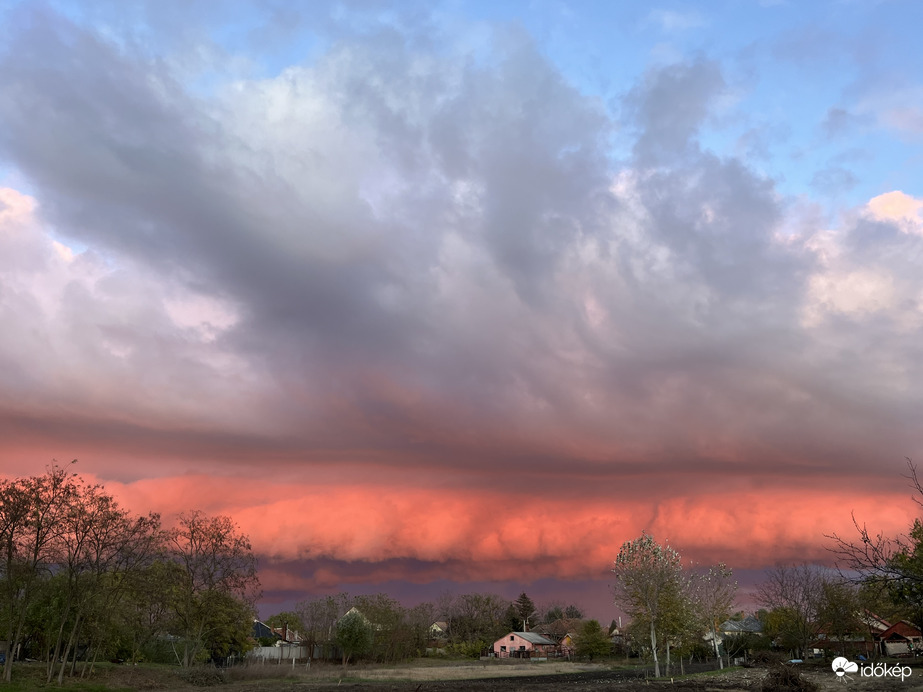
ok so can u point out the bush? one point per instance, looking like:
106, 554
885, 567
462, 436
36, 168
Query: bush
784, 679
766, 658
203, 676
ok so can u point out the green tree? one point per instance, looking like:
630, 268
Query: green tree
647, 576
31, 521
217, 566
475, 619
353, 635
287, 620
839, 611
525, 609
592, 641
318, 620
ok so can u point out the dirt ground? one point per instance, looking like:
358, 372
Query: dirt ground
525, 678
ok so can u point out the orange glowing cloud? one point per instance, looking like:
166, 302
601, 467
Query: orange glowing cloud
492, 534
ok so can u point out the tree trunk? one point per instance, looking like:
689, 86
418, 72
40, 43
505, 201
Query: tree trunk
667, 669
714, 641
76, 640
67, 650
60, 639
654, 650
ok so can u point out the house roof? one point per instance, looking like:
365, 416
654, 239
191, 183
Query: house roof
263, 630
533, 637
748, 624
871, 620
901, 630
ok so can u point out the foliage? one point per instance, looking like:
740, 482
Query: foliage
83, 578
215, 587
318, 619
289, 619
838, 610
592, 641
891, 564
469, 649
474, 618
743, 643
353, 635
525, 609
648, 577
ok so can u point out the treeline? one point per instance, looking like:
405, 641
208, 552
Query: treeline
379, 628
83, 579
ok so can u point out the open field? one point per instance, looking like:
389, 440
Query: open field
442, 677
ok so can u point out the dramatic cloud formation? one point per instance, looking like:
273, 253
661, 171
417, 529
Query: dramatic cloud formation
421, 307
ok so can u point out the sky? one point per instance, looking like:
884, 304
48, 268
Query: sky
460, 296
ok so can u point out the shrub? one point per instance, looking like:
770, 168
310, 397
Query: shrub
785, 679
203, 676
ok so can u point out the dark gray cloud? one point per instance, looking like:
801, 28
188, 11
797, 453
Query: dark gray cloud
432, 252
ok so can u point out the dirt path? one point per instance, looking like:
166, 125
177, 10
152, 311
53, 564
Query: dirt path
598, 679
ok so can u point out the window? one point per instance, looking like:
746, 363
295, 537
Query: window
512, 637
502, 648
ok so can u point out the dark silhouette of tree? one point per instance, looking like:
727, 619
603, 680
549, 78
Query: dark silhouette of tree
592, 641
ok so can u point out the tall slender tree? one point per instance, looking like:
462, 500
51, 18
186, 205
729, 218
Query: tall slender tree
713, 592
647, 577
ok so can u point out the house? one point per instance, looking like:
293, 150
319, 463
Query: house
286, 635
873, 624
439, 630
749, 625
901, 639
558, 629
568, 645
263, 631
524, 645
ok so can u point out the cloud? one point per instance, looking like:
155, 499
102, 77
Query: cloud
897, 207
400, 293
834, 180
671, 21
669, 107
898, 108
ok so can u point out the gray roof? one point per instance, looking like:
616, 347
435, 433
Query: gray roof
534, 637
748, 624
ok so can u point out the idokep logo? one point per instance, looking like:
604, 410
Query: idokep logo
842, 666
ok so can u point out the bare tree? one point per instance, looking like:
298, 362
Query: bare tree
712, 593
893, 564
794, 595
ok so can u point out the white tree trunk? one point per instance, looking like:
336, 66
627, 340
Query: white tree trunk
714, 641
654, 649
